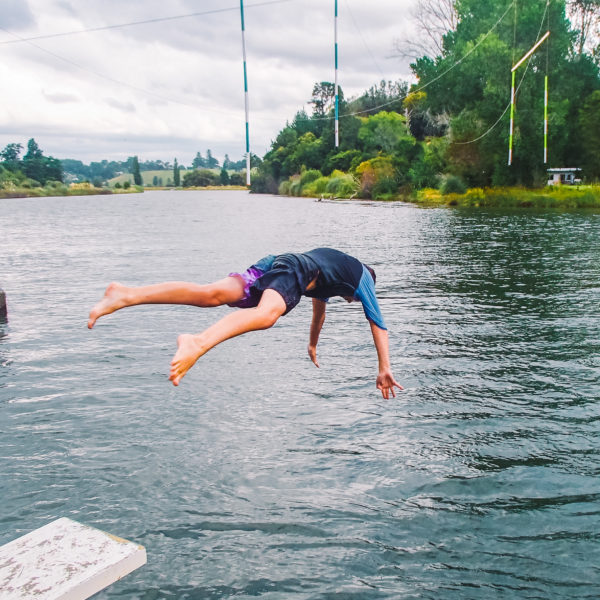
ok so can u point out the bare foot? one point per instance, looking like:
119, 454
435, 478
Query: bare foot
189, 350
115, 297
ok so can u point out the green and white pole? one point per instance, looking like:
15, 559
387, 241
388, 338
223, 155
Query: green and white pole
512, 119
337, 105
546, 119
512, 92
245, 95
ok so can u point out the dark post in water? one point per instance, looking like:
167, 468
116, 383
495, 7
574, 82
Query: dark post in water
3, 311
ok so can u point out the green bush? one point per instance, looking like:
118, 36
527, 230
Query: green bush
453, 185
201, 178
284, 188
316, 188
384, 188
295, 186
309, 176
341, 185
237, 178
342, 161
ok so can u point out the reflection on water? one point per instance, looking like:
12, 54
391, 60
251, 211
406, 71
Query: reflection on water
263, 476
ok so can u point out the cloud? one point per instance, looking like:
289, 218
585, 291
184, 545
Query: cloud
16, 15
119, 105
183, 79
59, 97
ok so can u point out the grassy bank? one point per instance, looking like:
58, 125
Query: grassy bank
60, 189
549, 197
371, 184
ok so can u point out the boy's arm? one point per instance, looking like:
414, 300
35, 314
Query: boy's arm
318, 318
385, 379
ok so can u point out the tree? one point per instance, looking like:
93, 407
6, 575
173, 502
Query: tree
433, 19
38, 167
224, 177
383, 131
176, 174
323, 97
211, 161
468, 85
198, 162
589, 127
586, 15
200, 178
135, 170
388, 95
10, 155
33, 151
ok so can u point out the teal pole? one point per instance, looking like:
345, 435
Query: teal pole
337, 105
245, 95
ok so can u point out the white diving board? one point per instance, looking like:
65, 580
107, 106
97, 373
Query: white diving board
65, 560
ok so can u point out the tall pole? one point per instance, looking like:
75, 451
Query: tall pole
546, 119
245, 96
337, 101
512, 119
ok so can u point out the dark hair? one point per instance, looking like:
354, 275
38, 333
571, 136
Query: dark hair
372, 273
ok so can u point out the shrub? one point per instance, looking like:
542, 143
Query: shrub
237, 178
295, 185
316, 188
309, 176
200, 178
284, 188
342, 185
377, 176
342, 161
127, 185
263, 184
453, 185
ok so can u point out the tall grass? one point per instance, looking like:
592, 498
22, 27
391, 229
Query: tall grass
549, 197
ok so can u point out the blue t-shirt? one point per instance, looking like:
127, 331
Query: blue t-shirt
337, 274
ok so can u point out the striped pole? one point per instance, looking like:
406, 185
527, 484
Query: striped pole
512, 119
337, 110
546, 119
512, 92
245, 96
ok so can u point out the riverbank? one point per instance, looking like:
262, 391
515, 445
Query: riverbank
60, 189
383, 187
513, 197
87, 189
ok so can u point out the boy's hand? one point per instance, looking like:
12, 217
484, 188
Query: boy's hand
312, 352
386, 383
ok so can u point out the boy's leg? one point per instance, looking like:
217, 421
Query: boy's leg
117, 296
192, 347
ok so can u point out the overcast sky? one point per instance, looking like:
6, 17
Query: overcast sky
171, 88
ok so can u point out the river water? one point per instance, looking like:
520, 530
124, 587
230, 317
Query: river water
262, 476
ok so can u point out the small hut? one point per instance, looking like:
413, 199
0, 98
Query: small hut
564, 176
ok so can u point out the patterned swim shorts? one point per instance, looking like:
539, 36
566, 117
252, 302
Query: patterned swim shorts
249, 276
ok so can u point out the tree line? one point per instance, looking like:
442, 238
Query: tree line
33, 169
452, 127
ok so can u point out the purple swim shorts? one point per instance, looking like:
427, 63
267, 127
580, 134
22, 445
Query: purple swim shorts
249, 276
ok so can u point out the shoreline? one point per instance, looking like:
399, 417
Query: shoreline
566, 197
81, 190
583, 196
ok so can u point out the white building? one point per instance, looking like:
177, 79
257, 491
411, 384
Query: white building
564, 176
